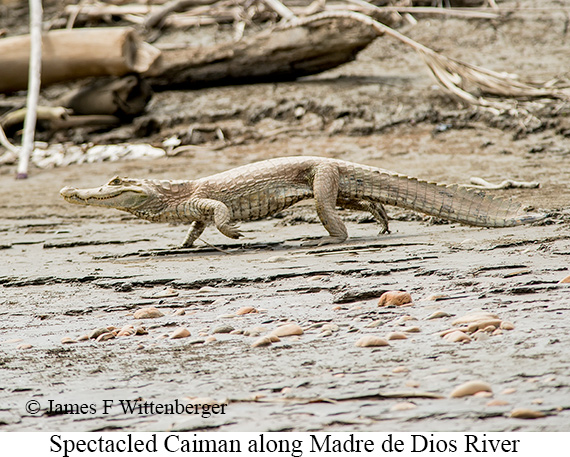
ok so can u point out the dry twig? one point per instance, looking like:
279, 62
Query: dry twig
454, 75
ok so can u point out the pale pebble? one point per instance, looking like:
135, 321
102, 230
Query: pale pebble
457, 337
288, 330
476, 316
246, 310
223, 329
105, 337
181, 332
412, 329
261, 342
497, 402
438, 315
565, 280
403, 406
371, 341
395, 298
148, 313
396, 336
470, 388
526, 413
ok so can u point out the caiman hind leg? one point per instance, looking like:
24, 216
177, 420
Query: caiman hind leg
325, 191
376, 209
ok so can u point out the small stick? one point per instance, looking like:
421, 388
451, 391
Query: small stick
280, 9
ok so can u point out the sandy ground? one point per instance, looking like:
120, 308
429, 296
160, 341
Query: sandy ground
69, 270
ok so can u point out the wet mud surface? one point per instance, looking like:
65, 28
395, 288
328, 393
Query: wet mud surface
68, 270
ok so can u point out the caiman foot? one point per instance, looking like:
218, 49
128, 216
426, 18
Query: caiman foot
324, 241
231, 231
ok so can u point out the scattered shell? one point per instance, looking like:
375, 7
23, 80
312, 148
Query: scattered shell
394, 298
273, 338
396, 336
413, 384
497, 402
538, 401
148, 313
180, 332
371, 341
141, 331
238, 331
336, 308
325, 333
261, 342
105, 336
489, 328
83, 338
413, 329
179, 312
246, 310
68, 340
401, 369
288, 330
210, 339
525, 413
497, 332
470, 388
403, 406
438, 315
507, 326
223, 329
457, 337
508, 391
565, 280
29, 346
226, 316
98, 332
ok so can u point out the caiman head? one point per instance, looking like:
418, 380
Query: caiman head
135, 196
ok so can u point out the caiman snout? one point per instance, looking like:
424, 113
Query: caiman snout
68, 191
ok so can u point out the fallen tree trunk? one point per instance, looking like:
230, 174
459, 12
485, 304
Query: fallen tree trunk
75, 54
278, 55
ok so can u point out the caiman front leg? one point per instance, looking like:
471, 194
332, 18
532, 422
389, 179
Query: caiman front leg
201, 211
196, 229
325, 191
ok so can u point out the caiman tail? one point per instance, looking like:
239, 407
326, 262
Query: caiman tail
452, 202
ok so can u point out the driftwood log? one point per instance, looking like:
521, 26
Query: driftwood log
277, 55
75, 54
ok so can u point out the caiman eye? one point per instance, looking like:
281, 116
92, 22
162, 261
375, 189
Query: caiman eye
115, 182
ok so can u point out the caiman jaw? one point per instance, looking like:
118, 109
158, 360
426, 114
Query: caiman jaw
116, 194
